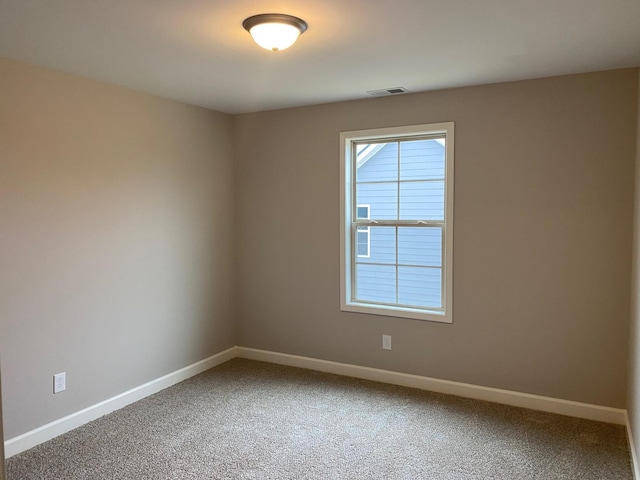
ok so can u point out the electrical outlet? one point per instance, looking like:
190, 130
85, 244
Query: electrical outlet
59, 382
386, 342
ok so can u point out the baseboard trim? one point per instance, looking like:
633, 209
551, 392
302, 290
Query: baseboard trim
632, 448
507, 397
51, 430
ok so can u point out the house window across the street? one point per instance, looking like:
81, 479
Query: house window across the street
397, 221
362, 233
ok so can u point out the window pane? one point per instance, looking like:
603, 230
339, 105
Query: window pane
420, 286
422, 200
382, 245
420, 246
376, 283
377, 162
422, 160
382, 198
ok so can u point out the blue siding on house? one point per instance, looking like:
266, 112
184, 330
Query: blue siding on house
376, 283
384, 166
420, 246
421, 160
415, 277
382, 248
422, 200
418, 200
382, 197
420, 286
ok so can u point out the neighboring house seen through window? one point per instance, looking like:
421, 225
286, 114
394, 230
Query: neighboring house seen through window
397, 221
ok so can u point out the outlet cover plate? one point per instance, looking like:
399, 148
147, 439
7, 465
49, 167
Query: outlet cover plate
59, 382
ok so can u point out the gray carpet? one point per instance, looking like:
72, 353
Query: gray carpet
254, 420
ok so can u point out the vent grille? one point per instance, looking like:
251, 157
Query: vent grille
387, 91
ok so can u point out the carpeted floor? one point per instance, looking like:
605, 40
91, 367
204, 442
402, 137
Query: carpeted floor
254, 420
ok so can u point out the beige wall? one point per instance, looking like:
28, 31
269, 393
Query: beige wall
543, 215
115, 240
118, 247
633, 403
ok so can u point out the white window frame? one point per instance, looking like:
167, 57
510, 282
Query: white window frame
347, 223
365, 229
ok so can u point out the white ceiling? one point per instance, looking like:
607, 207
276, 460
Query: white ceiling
197, 52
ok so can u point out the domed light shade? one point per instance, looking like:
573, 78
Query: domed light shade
274, 31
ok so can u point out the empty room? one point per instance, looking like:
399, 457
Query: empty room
354, 239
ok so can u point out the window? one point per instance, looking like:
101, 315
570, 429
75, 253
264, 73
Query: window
362, 233
397, 221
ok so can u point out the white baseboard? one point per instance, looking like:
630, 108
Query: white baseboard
506, 397
51, 430
634, 458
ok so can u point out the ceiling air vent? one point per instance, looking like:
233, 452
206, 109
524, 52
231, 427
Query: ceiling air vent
387, 91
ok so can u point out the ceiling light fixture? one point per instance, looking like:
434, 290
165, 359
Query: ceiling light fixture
275, 31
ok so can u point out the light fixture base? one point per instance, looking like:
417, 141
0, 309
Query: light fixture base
254, 20
274, 31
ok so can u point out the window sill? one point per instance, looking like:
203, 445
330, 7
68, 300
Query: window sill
390, 311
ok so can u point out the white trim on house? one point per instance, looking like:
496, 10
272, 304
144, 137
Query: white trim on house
368, 152
51, 430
